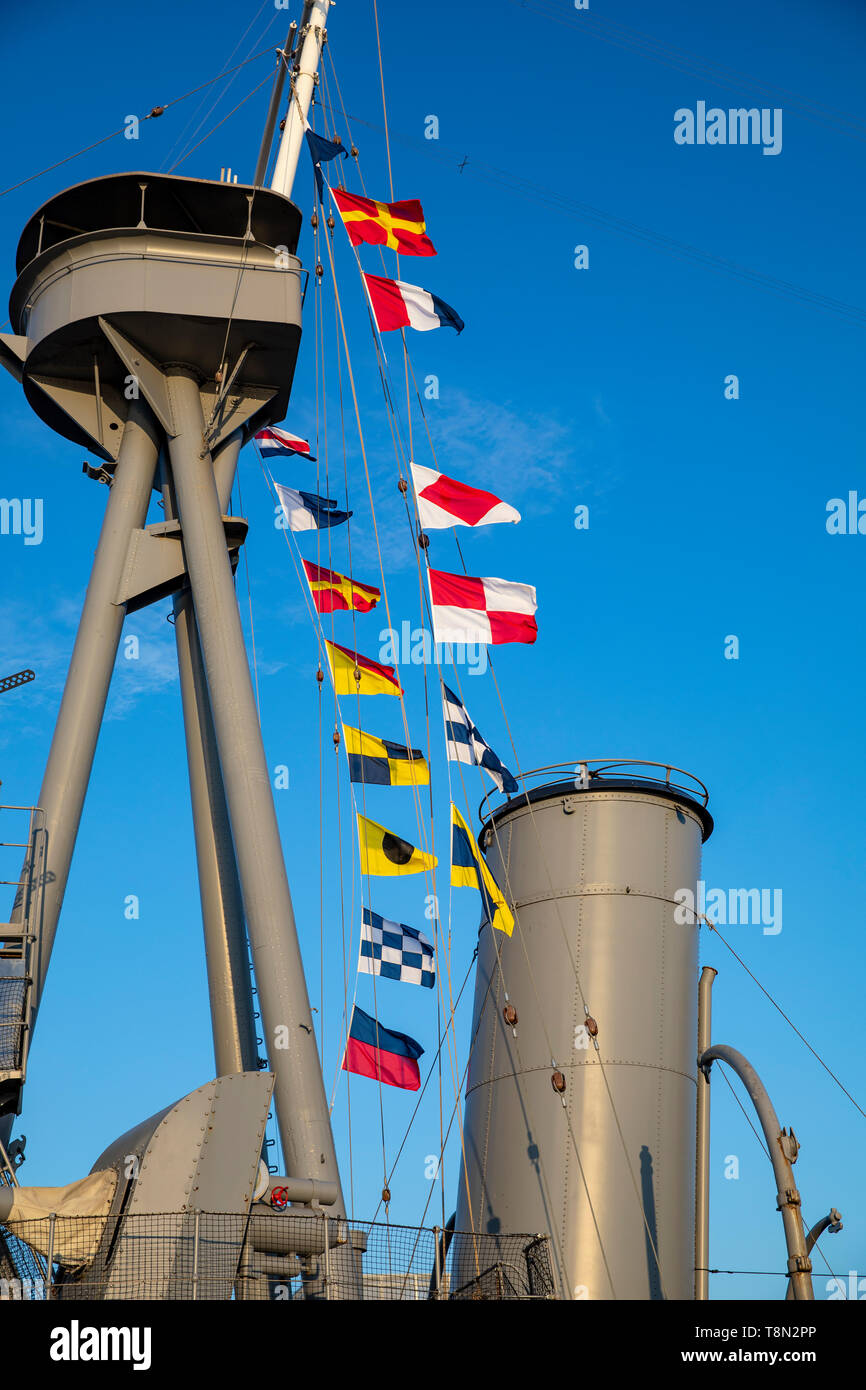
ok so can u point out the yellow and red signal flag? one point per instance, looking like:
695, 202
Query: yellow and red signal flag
373, 678
336, 593
400, 226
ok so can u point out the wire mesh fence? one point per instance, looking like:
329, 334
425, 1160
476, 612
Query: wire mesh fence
12, 991
293, 1255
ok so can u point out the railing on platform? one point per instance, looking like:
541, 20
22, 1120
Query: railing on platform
585, 772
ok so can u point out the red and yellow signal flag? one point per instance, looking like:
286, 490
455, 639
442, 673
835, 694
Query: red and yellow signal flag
335, 593
398, 225
372, 679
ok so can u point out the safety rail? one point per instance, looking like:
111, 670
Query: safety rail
584, 771
212, 1256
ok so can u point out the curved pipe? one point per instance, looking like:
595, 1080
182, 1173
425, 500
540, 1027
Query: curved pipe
783, 1151
832, 1222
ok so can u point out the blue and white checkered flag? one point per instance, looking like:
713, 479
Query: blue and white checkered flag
465, 744
395, 951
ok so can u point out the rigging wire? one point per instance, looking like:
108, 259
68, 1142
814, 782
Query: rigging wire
745, 1112
441, 1165
216, 101
157, 111
389, 402
375, 529
795, 289
779, 1009
323, 459
377, 339
658, 241
339, 312
693, 64
563, 933
723, 1068
430, 1070
344, 451
304, 586
267, 78
492, 930
415, 787
250, 606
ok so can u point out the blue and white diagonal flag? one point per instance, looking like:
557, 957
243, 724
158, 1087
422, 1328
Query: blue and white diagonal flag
395, 951
305, 511
465, 744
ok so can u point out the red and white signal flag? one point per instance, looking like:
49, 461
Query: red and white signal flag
481, 610
276, 443
443, 501
398, 305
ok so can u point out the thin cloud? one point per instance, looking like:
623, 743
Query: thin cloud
147, 666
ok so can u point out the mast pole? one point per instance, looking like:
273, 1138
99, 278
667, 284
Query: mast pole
283, 55
312, 36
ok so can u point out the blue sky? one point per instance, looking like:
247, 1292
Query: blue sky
602, 387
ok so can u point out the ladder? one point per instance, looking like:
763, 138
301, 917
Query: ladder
22, 829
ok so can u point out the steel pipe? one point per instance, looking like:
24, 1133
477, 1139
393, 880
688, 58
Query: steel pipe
782, 1147
702, 1158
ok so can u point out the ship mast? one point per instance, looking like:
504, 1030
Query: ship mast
212, 355
312, 38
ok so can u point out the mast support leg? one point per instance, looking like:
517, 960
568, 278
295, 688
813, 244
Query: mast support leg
302, 1109
70, 758
229, 983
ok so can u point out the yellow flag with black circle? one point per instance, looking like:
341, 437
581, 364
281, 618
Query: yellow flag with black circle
385, 853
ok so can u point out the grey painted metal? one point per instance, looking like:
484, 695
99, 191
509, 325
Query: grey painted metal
120, 274
228, 971
832, 1222
73, 745
302, 1108
229, 982
592, 875
200, 1155
19, 951
117, 278
49, 1255
300, 1232
7, 1167
702, 1161
301, 1190
289, 1232
783, 1148
279, 1266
